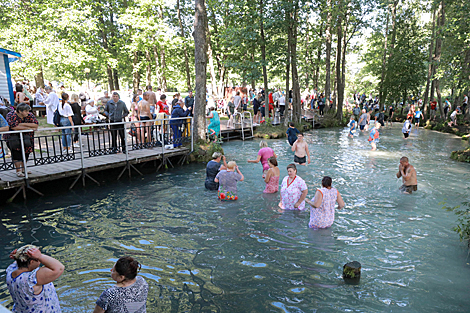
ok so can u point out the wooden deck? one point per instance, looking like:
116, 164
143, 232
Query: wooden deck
49, 172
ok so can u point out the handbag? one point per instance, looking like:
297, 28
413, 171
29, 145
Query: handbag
15, 141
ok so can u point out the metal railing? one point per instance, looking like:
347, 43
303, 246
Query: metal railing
100, 139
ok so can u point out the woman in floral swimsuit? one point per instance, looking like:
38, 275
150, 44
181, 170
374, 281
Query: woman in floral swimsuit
322, 210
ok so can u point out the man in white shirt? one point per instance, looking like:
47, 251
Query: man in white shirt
51, 103
282, 104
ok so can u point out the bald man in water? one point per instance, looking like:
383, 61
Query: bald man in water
408, 174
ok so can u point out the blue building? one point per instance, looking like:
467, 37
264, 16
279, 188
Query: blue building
6, 86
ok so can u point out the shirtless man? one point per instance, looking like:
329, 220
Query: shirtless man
300, 148
144, 114
408, 174
152, 100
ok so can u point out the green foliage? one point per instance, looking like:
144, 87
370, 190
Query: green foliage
463, 220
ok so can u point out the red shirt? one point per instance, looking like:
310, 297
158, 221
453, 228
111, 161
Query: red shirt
271, 100
433, 105
163, 107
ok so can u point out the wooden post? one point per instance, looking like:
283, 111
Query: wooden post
352, 273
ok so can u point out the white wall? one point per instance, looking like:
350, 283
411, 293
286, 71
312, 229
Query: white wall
3, 81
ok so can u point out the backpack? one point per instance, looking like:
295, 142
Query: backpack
56, 119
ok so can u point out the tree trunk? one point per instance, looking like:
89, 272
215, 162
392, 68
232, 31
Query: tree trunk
149, 67
296, 98
263, 47
328, 53
156, 56
288, 63
308, 56
253, 83
339, 39
211, 62
39, 78
135, 73
200, 57
317, 69
109, 71
437, 57
384, 63
116, 79
394, 29
163, 60
185, 50
430, 68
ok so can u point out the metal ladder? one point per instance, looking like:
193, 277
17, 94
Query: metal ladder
242, 123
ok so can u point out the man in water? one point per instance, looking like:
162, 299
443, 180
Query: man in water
363, 120
300, 148
408, 174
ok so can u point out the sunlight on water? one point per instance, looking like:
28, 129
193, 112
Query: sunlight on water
199, 254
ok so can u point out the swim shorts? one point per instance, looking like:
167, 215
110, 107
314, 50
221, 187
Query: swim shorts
408, 189
406, 135
300, 160
145, 118
362, 127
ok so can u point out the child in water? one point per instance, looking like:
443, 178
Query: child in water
292, 133
352, 127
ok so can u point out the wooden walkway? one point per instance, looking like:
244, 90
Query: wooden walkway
49, 172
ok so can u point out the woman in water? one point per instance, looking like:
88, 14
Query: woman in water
227, 180
130, 292
31, 287
272, 176
214, 126
293, 190
263, 155
322, 206
212, 169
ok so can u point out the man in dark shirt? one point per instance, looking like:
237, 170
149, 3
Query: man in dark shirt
116, 110
189, 102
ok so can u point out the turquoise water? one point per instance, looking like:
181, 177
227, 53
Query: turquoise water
199, 254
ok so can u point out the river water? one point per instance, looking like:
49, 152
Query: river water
201, 255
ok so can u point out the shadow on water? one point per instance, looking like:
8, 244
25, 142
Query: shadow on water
201, 255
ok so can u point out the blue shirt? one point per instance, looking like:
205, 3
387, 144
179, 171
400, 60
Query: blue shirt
292, 134
3, 123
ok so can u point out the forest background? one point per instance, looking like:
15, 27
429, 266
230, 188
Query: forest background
390, 48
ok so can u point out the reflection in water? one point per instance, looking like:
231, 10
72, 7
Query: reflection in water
199, 254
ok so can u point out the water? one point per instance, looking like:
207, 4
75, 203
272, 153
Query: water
199, 254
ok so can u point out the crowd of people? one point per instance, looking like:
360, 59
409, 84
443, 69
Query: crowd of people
64, 109
293, 189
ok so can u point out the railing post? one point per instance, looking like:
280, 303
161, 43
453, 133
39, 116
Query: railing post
125, 141
24, 156
192, 134
81, 147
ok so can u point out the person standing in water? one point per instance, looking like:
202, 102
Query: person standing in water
406, 128
272, 176
322, 206
300, 148
292, 133
408, 174
352, 127
263, 155
374, 136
